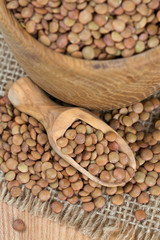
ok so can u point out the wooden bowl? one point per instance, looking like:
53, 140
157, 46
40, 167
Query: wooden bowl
92, 84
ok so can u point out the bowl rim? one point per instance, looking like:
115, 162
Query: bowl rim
9, 19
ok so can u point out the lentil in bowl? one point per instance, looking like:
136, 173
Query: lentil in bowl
96, 29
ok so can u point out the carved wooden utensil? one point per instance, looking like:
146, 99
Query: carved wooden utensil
30, 99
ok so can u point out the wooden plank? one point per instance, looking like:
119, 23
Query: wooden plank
37, 228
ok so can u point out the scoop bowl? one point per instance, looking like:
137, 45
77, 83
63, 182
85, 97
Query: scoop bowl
30, 99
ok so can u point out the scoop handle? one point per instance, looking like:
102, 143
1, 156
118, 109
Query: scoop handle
30, 99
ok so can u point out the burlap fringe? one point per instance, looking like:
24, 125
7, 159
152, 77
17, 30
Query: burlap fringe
96, 224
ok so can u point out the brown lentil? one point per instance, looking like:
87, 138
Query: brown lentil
99, 202
88, 207
155, 190
44, 195
36, 190
11, 164
56, 207
135, 192
117, 200
15, 192
150, 181
111, 191
10, 176
143, 198
18, 225
140, 215
146, 154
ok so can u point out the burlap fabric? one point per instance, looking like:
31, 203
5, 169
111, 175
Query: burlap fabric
99, 224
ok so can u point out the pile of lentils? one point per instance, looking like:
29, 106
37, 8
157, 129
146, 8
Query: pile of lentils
98, 153
91, 29
27, 159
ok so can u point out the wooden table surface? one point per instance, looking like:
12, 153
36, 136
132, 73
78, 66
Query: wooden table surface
37, 228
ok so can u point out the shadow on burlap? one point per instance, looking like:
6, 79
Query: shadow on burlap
100, 223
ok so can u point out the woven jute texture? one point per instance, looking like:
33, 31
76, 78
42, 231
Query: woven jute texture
99, 224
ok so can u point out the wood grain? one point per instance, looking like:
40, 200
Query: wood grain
57, 119
36, 227
91, 84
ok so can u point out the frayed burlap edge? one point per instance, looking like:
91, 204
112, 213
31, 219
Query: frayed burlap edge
96, 224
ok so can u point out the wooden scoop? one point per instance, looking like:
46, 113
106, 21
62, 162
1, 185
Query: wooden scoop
30, 99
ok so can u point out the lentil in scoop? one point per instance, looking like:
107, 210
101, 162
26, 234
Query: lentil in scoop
97, 152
